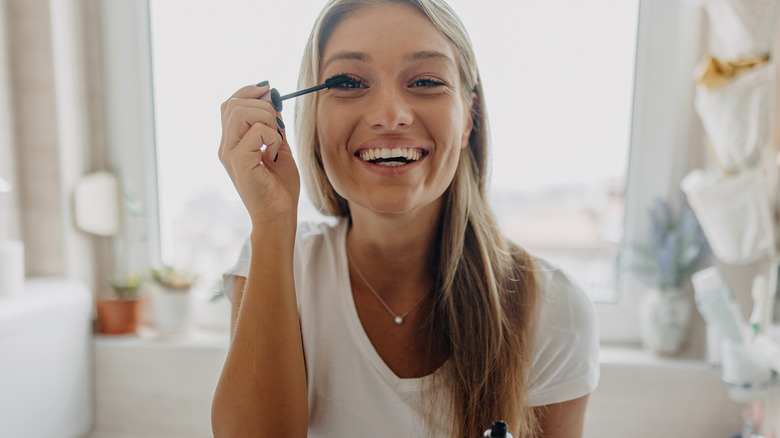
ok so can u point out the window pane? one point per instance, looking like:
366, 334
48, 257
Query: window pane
558, 78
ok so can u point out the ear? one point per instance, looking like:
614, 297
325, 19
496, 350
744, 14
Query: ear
469, 125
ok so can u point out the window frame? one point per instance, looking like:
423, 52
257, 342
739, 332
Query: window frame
130, 133
665, 136
664, 128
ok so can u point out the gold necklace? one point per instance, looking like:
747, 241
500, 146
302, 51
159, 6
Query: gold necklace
399, 319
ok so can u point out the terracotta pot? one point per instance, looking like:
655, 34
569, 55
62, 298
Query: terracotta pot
118, 317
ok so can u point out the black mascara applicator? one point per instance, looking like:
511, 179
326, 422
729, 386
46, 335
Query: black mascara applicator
277, 99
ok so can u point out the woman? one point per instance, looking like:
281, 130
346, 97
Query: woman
413, 315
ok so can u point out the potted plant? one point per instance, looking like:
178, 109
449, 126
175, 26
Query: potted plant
171, 303
674, 249
120, 313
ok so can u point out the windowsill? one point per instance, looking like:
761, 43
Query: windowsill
195, 339
635, 356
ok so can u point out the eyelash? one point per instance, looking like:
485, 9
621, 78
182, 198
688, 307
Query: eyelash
430, 82
351, 84
355, 83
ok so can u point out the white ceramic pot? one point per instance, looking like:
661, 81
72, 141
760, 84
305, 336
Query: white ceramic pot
664, 320
172, 309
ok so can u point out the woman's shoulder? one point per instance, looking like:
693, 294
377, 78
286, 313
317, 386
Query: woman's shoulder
565, 352
310, 236
563, 304
315, 233
308, 229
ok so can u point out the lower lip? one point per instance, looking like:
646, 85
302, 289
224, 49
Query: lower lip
390, 170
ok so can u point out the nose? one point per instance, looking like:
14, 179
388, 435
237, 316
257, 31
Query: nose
389, 109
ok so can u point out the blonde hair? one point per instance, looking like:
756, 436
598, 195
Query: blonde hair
485, 286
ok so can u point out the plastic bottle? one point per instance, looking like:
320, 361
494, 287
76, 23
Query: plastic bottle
498, 430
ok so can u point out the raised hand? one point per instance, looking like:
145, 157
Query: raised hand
256, 155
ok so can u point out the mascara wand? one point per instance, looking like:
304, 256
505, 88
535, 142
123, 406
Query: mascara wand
277, 99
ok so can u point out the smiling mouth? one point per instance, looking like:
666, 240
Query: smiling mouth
390, 157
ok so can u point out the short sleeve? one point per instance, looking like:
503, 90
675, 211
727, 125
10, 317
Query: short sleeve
303, 235
566, 343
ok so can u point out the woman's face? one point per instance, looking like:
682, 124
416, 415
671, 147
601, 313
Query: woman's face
391, 139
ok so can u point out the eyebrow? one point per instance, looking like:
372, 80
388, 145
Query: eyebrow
363, 57
357, 56
429, 54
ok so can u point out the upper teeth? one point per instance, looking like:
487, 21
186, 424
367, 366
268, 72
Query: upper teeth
375, 154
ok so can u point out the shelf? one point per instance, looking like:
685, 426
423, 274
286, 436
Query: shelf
150, 338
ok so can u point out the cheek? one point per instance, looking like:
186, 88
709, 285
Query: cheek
332, 128
329, 139
327, 134
458, 127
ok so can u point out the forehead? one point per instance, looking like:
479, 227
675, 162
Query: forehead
390, 30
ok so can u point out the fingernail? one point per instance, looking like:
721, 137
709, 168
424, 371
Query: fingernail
280, 133
279, 122
262, 84
276, 100
276, 157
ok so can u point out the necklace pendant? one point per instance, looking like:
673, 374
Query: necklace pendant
399, 320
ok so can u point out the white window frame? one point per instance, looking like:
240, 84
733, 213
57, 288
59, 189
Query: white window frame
129, 116
664, 127
664, 131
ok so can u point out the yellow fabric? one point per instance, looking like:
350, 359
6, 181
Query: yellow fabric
713, 73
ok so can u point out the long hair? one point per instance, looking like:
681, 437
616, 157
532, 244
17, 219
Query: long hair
485, 295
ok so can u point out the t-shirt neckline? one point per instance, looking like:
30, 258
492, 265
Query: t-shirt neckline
359, 333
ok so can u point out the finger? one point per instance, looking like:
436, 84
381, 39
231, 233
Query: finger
273, 97
241, 120
274, 151
238, 121
231, 104
247, 92
252, 91
254, 139
243, 160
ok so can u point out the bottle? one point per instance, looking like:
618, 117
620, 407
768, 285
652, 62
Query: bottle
499, 430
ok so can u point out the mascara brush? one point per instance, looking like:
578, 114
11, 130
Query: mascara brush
276, 98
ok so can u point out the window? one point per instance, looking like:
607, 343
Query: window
662, 124
558, 80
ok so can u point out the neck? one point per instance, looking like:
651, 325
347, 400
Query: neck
395, 252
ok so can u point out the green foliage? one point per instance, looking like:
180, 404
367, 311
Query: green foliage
674, 249
170, 278
126, 288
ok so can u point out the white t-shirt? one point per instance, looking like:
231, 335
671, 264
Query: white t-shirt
352, 389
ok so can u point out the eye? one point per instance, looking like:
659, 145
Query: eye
346, 82
427, 82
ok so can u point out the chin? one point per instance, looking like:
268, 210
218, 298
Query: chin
390, 205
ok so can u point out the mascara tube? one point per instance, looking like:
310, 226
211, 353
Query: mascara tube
498, 430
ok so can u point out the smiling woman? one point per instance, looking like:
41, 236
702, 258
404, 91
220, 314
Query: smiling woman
479, 329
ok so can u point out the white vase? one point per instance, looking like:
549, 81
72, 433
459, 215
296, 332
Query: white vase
664, 320
172, 310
